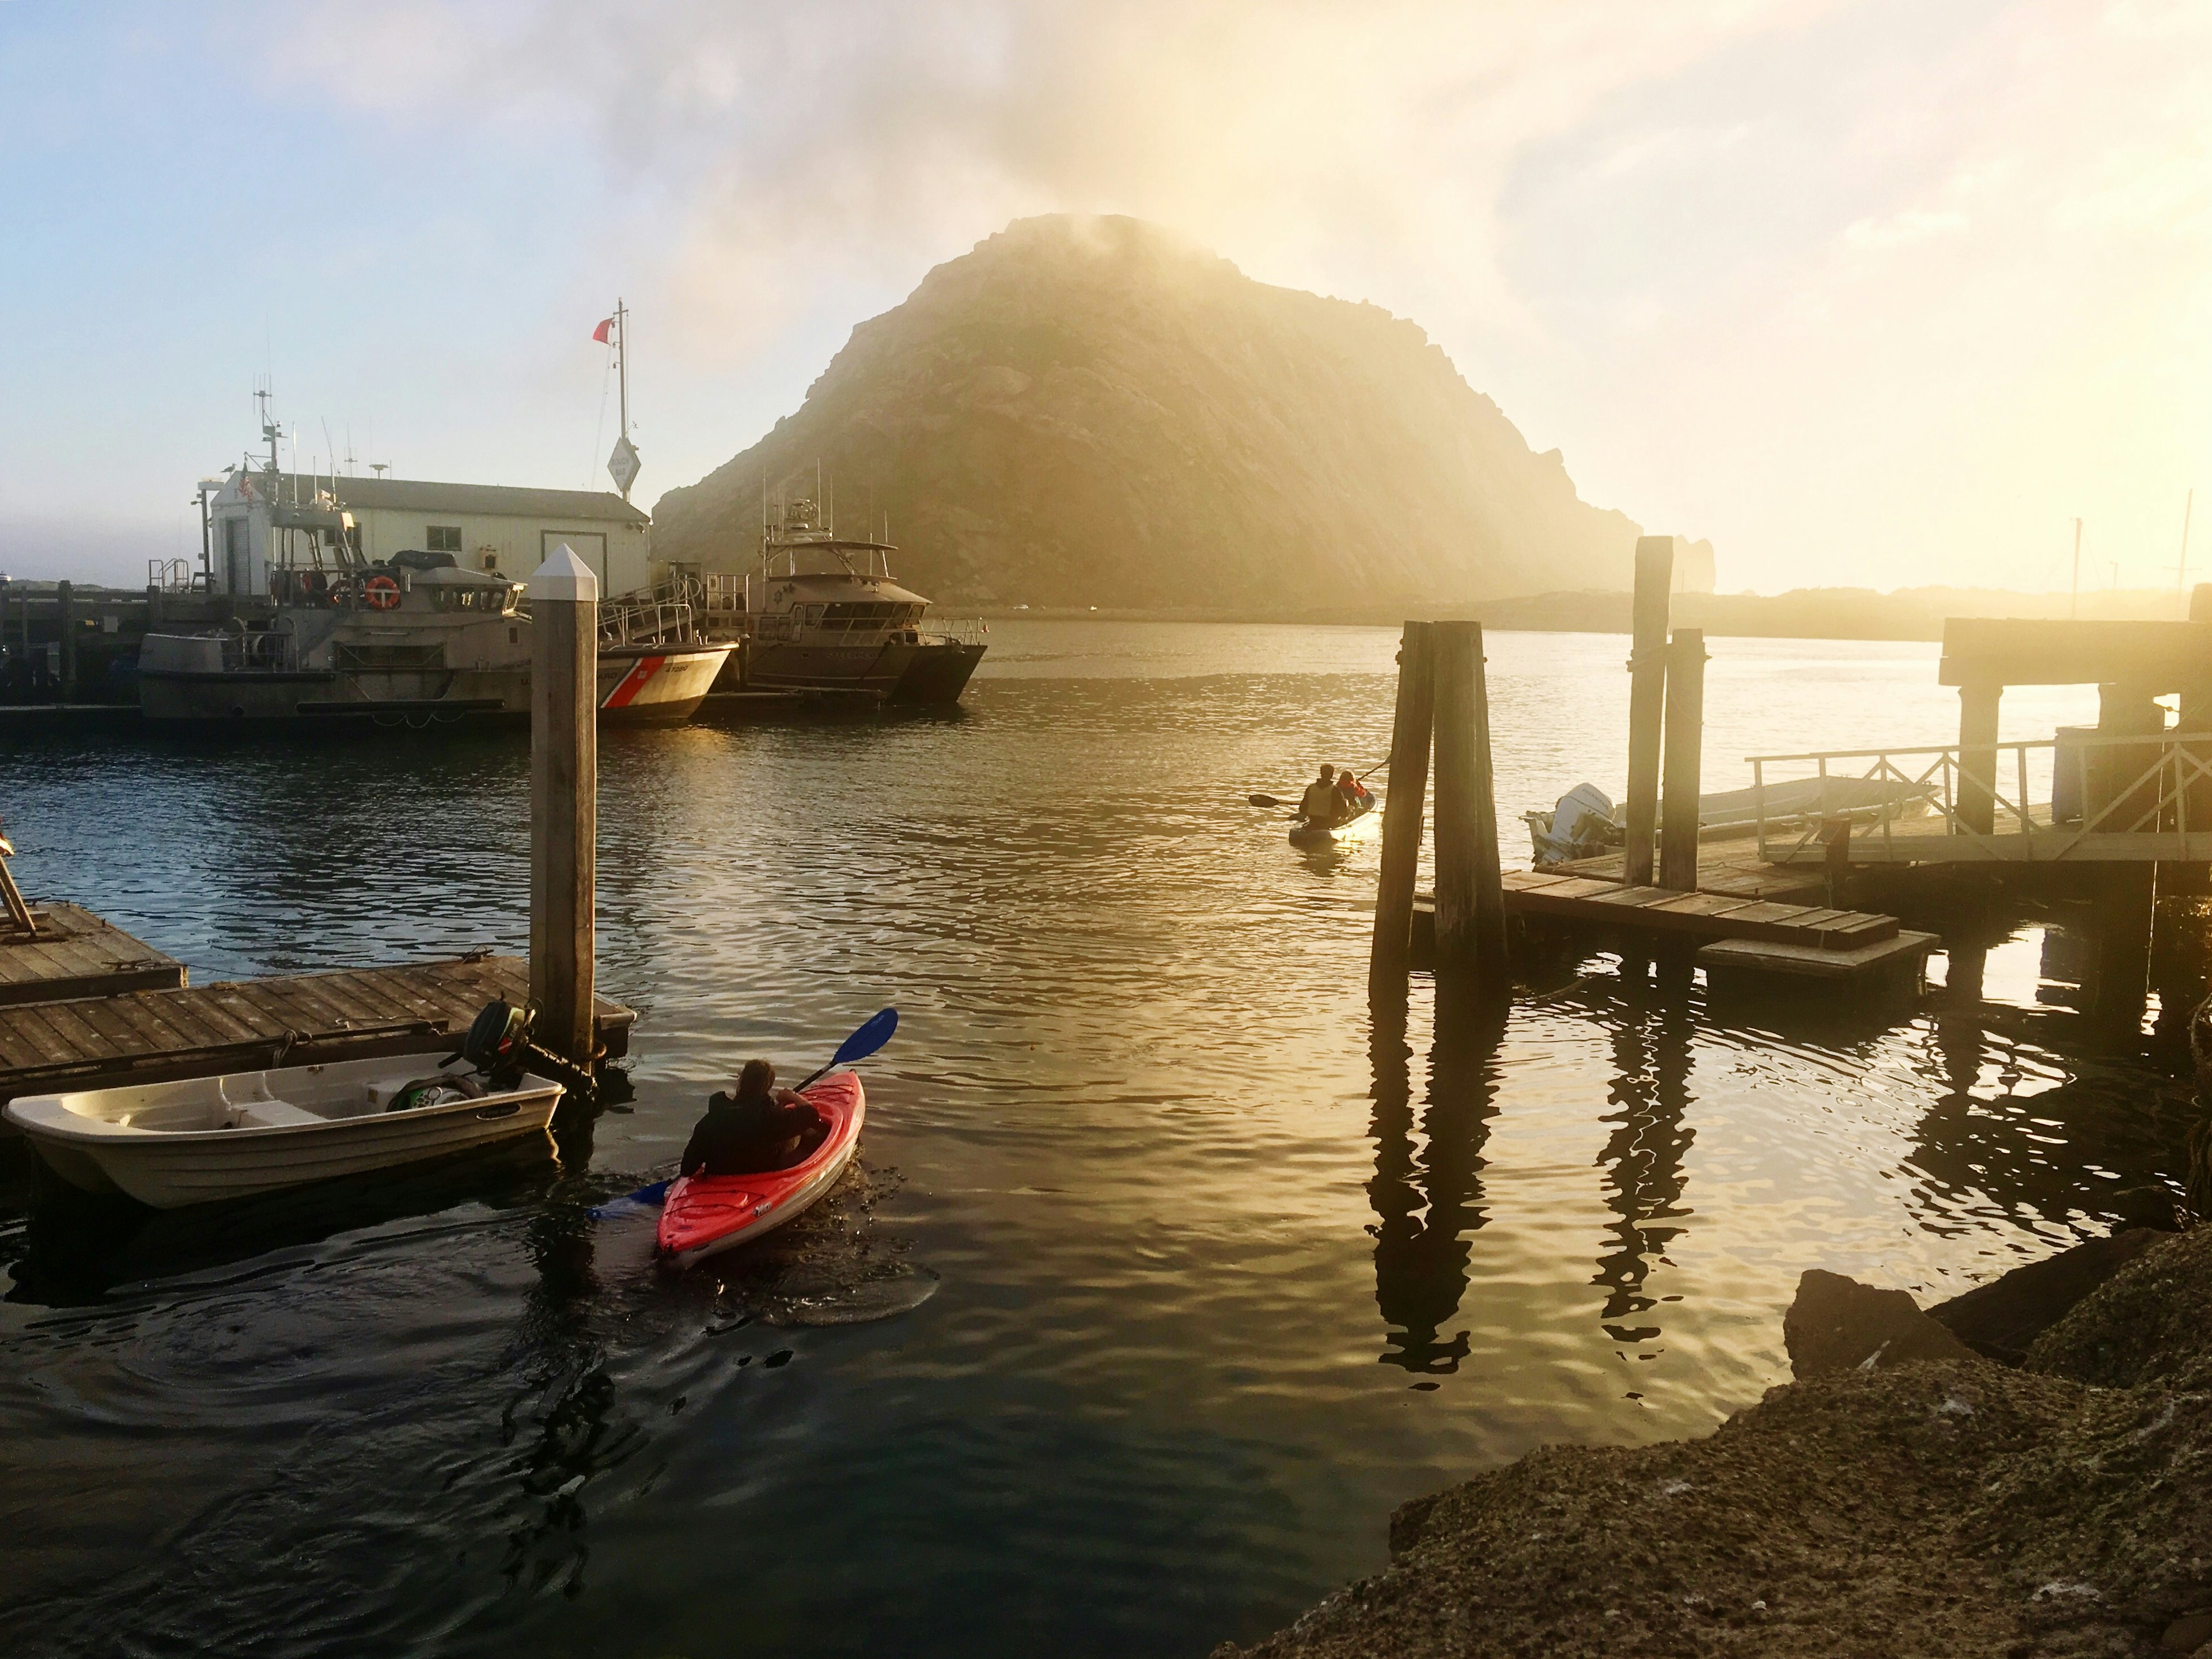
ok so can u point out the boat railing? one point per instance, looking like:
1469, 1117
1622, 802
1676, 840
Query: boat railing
2107, 791
961, 630
173, 576
645, 622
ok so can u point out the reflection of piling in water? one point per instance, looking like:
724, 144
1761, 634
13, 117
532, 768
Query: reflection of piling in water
1643, 1156
1426, 1205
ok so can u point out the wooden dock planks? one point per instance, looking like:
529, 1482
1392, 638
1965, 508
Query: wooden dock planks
144, 1035
1704, 916
76, 954
1727, 867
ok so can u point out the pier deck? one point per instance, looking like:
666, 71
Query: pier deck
1732, 866
1566, 897
301, 1019
76, 954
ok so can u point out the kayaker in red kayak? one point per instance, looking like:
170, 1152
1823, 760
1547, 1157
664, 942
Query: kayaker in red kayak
757, 1128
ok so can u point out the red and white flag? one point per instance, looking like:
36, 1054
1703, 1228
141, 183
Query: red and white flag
602, 330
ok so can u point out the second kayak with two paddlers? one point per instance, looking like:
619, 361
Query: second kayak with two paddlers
705, 1214
1307, 832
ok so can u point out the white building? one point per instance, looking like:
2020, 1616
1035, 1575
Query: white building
484, 526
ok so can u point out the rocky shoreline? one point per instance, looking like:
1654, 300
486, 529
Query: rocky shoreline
1907, 1494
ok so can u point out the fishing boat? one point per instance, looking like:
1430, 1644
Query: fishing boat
171, 1145
823, 615
1309, 832
707, 1214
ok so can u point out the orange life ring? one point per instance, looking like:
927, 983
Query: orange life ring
381, 591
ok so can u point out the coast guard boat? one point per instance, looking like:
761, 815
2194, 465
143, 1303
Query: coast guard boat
410, 639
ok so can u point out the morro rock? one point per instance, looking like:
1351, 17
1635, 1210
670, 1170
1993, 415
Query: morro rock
1093, 411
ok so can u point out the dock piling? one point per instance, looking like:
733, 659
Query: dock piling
2193, 718
564, 788
1685, 760
1978, 754
66, 612
1470, 894
1647, 692
1391, 952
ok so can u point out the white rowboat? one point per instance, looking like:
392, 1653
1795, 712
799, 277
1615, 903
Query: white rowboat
169, 1145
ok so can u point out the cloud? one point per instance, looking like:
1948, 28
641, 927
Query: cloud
1864, 289
1914, 224
851, 141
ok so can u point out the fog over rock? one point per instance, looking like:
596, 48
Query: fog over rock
1095, 412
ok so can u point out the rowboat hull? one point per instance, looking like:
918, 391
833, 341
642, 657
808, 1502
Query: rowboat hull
203, 1139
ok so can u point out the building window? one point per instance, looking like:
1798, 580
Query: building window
445, 538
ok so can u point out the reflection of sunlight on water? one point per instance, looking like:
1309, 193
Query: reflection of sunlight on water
1224, 1262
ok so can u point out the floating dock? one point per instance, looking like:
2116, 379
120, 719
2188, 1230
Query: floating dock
73, 954
1732, 866
1731, 932
1556, 896
95, 1041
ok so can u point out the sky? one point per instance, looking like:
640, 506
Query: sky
1874, 292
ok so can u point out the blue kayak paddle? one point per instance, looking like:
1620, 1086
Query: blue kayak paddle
859, 1046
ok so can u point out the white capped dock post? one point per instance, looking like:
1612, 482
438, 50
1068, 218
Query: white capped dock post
1686, 721
564, 798
1647, 695
1470, 892
1392, 951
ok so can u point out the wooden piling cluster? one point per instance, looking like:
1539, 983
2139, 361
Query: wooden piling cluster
1666, 731
1443, 704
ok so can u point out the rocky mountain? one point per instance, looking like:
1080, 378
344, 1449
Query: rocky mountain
1087, 411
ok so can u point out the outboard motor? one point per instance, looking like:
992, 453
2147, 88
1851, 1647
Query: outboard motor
498, 1045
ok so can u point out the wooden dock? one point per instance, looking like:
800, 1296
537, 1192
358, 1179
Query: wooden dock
1732, 933
147, 1036
74, 953
1559, 896
1732, 866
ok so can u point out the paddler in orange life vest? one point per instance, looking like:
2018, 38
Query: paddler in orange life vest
1353, 796
1321, 803
755, 1128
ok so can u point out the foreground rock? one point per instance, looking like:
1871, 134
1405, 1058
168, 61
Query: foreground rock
1944, 1506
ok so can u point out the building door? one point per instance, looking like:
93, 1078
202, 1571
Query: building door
235, 532
589, 545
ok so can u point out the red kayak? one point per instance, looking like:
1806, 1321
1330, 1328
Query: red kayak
706, 1213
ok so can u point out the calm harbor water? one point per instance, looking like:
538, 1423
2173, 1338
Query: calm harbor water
1224, 1268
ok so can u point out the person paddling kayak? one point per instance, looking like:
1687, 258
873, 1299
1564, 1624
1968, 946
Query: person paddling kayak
756, 1128
1322, 805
